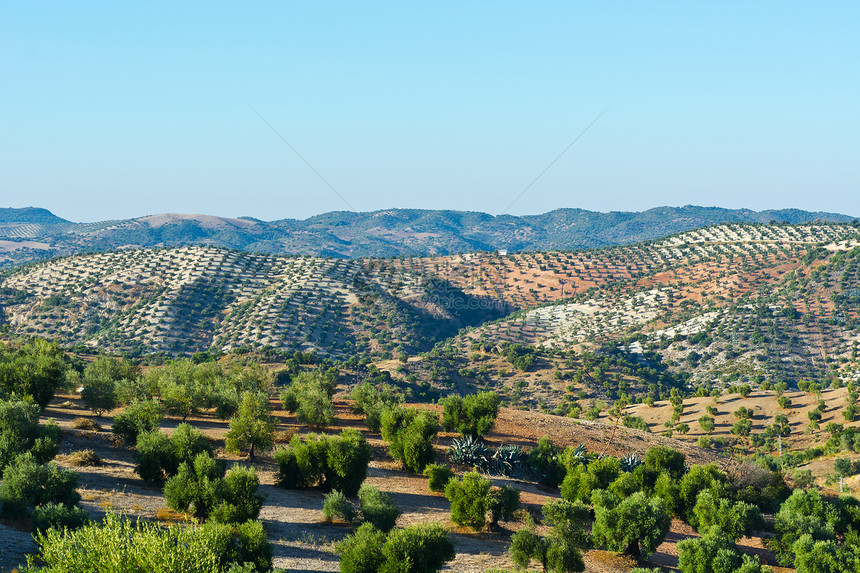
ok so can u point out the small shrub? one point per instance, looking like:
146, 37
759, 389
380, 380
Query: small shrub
417, 549
377, 508
473, 415
546, 461
469, 499
439, 475
309, 396
347, 458
118, 544
336, 506
503, 502
58, 516
361, 552
155, 457
20, 433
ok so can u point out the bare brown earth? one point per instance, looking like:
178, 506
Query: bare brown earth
302, 540
764, 406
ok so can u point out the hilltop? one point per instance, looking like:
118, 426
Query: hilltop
31, 234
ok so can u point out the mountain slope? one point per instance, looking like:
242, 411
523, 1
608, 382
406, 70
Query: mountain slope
390, 232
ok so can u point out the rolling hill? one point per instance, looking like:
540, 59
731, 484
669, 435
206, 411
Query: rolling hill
32, 234
732, 302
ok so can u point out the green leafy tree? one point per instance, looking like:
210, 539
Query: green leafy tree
664, 459
560, 550
309, 396
253, 427
36, 370
20, 432
715, 554
720, 515
410, 433
28, 483
634, 526
137, 418
203, 489
469, 499
473, 415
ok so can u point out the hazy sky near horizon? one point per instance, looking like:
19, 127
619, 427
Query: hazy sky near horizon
115, 110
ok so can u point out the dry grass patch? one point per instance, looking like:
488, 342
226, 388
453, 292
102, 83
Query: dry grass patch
83, 458
86, 424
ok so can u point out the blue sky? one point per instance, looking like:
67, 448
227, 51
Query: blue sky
115, 110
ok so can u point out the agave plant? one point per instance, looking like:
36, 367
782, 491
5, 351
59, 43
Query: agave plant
630, 462
509, 460
470, 451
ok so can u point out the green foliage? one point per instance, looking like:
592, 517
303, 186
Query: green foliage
154, 456
559, 551
309, 396
100, 381
503, 502
416, 549
36, 370
666, 460
336, 505
20, 433
332, 462
120, 545
473, 498
697, 480
158, 456
807, 512
253, 426
347, 458
580, 480
410, 433
302, 464
372, 401
721, 516
469, 499
58, 516
202, 489
27, 484
521, 357
714, 554
824, 556
473, 415
546, 461
439, 475
137, 418
636, 525
377, 508
361, 552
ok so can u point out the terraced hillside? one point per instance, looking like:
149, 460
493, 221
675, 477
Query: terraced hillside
189, 299
730, 302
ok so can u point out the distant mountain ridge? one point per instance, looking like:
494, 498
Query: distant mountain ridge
37, 233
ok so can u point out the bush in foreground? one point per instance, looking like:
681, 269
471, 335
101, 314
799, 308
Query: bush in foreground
203, 489
410, 433
415, 549
27, 484
119, 545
